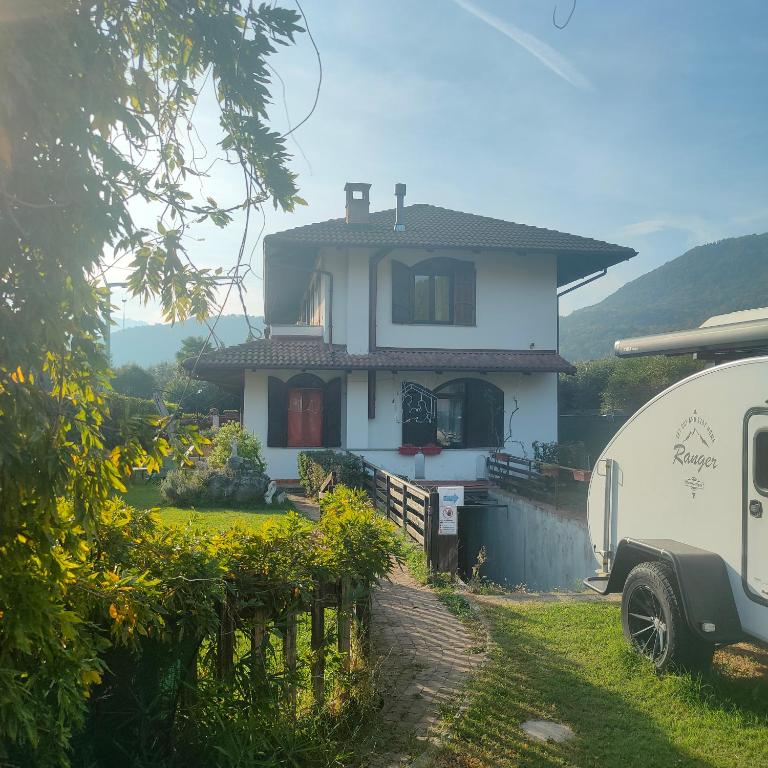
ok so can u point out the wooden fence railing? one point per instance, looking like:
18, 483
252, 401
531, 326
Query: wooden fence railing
416, 511
564, 487
258, 624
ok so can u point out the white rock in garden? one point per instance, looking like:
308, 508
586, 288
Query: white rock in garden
546, 730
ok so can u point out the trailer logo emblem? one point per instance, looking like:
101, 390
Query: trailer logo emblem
693, 449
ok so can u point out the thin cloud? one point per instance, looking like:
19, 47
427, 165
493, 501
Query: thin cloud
547, 55
698, 229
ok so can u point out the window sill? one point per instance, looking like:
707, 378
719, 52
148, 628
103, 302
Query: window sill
440, 325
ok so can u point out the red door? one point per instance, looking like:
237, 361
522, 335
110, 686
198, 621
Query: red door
305, 418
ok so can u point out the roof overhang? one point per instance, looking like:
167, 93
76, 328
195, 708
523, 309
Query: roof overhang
272, 354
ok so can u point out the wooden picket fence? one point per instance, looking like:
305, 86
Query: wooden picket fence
351, 601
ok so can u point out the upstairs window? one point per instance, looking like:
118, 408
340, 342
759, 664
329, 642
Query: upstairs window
437, 291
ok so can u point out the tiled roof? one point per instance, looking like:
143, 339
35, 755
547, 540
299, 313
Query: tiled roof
282, 353
434, 227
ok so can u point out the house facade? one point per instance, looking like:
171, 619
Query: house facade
418, 337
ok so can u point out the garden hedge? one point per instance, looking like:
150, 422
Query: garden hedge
314, 467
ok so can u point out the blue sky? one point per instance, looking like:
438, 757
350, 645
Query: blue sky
644, 124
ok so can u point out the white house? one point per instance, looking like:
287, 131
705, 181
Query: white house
417, 326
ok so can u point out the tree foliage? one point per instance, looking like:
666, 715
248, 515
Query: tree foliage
193, 346
134, 381
96, 111
248, 446
635, 381
616, 384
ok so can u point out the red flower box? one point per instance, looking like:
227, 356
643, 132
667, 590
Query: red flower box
431, 449
501, 456
583, 475
407, 450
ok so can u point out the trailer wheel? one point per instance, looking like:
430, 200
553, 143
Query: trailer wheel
654, 623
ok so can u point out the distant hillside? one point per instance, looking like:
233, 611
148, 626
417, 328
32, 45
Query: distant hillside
708, 280
150, 344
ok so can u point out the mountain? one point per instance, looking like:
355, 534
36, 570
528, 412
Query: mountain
150, 344
708, 280
129, 322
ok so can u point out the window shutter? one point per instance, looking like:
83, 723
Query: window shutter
402, 293
464, 293
485, 415
277, 413
332, 414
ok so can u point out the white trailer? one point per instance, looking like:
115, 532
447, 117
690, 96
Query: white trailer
678, 515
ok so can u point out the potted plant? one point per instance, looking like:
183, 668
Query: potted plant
407, 450
430, 449
501, 456
583, 475
549, 470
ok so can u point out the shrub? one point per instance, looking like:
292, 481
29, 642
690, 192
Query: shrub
248, 447
565, 454
314, 467
210, 487
153, 591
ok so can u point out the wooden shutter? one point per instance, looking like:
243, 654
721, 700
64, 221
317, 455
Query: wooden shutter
402, 293
332, 414
464, 293
277, 413
484, 416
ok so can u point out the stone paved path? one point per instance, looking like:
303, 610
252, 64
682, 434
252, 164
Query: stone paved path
306, 506
425, 656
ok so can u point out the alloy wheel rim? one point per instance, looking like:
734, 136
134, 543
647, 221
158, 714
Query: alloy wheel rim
647, 623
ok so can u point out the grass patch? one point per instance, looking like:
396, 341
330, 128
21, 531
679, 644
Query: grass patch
568, 662
147, 495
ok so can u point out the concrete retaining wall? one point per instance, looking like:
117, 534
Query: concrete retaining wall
530, 543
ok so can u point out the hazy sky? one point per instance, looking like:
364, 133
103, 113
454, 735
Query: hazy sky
641, 123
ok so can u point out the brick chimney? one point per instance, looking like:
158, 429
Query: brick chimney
358, 203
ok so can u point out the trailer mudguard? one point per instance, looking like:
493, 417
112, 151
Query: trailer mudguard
705, 588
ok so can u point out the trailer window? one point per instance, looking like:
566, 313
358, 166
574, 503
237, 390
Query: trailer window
761, 461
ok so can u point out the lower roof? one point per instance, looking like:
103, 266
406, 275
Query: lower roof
314, 355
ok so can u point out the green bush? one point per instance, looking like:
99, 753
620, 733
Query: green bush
248, 446
565, 454
314, 467
151, 593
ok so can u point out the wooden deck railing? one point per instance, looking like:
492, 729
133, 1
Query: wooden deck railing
563, 487
416, 511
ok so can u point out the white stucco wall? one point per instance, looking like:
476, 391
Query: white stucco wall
281, 462
516, 304
516, 300
379, 438
535, 419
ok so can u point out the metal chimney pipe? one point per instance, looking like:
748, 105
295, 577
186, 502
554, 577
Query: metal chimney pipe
399, 212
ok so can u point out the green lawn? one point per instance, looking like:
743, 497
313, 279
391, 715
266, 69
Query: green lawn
147, 495
568, 662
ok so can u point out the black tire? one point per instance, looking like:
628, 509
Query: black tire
654, 623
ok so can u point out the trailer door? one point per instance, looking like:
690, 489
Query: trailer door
755, 513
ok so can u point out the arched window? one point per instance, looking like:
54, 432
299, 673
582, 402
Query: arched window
304, 412
437, 291
468, 413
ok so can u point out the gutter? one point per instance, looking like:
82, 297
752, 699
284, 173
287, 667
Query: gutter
581, 284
